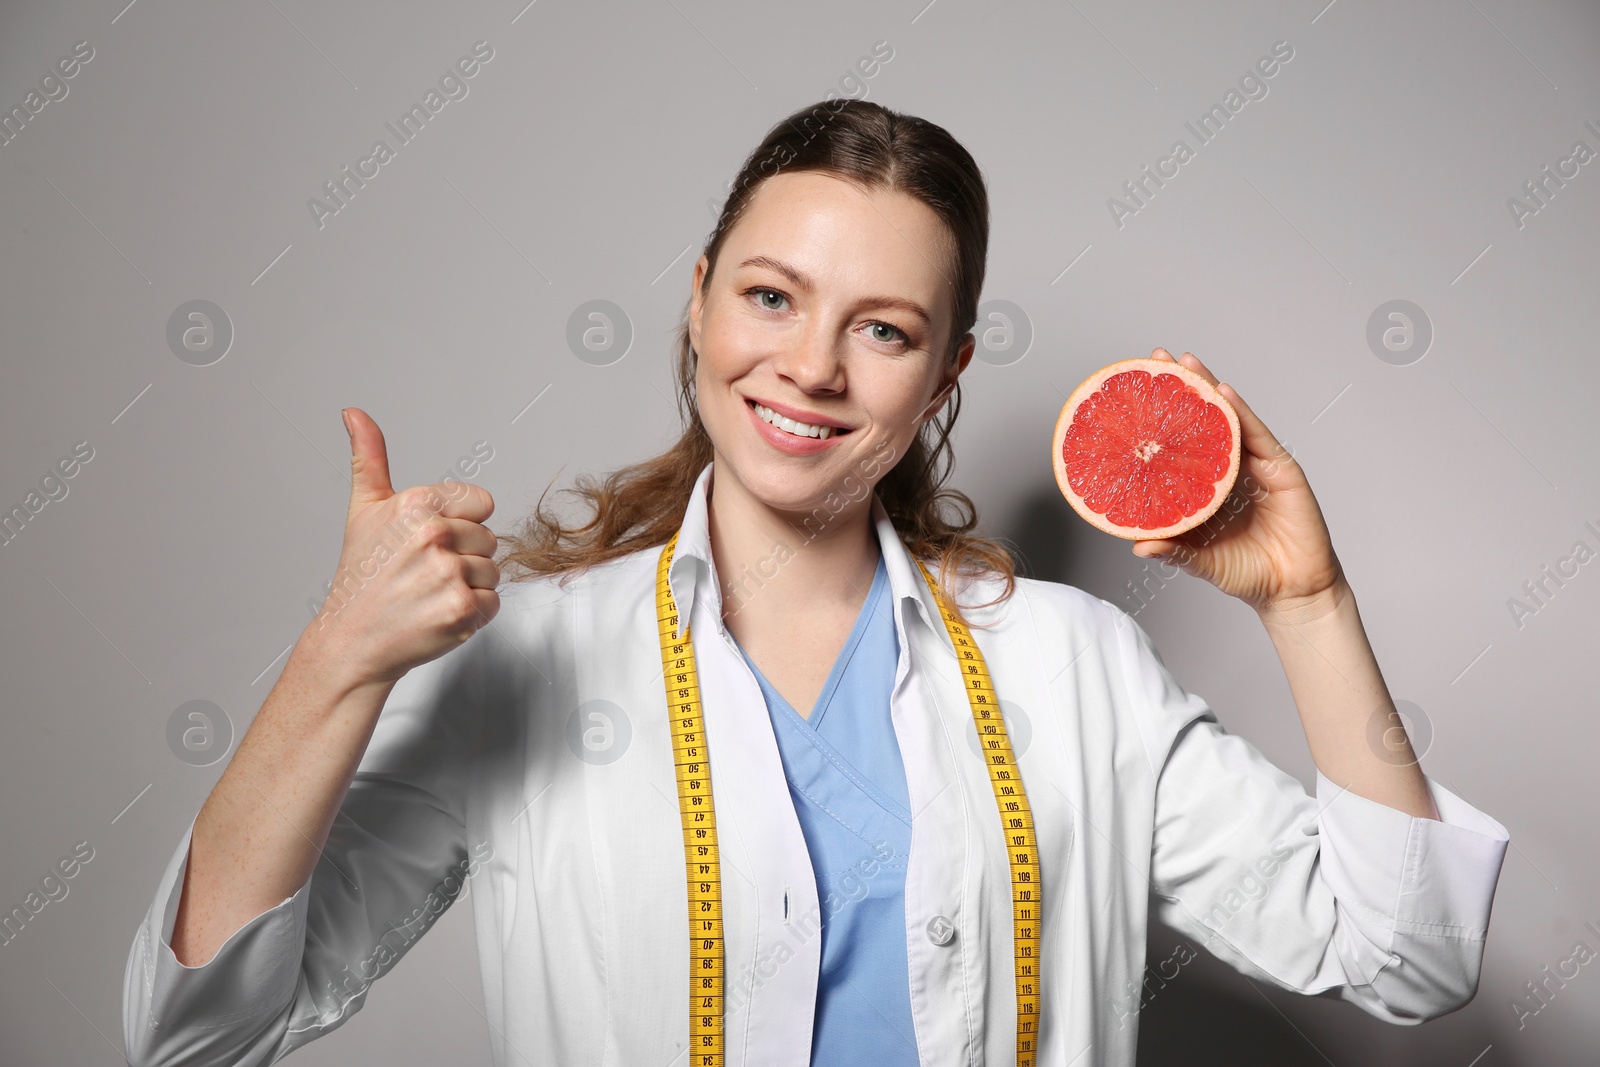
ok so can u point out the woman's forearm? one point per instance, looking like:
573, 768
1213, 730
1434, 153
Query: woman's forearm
261, 831
1355, 738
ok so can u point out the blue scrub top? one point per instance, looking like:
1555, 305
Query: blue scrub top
854, 812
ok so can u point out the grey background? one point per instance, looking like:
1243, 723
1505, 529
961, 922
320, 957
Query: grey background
579, 167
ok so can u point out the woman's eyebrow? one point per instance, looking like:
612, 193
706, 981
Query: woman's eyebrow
800, 281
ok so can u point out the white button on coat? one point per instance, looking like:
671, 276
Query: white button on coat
477, 770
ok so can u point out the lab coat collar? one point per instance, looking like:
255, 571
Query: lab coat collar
693, 572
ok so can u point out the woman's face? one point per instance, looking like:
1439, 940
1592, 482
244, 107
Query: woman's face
831, 305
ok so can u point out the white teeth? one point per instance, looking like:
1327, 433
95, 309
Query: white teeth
799, 429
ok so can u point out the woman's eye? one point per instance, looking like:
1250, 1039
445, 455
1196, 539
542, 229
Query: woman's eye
772, 300
894, 332
762, 294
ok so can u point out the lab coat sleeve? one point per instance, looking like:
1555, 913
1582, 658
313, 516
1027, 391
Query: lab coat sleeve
1336, 895
395, 859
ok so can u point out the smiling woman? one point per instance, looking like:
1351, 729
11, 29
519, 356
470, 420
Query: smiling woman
691, 884
860, 261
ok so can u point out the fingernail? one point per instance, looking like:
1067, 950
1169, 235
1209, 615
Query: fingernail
344, 413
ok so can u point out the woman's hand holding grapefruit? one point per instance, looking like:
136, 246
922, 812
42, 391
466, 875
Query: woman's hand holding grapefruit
416, 574
1273, 552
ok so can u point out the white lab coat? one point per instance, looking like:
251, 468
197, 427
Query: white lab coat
535, 762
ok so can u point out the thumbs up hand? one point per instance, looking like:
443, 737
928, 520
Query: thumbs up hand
416, 574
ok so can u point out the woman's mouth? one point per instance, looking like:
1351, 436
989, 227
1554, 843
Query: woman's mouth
792, 426
792, 437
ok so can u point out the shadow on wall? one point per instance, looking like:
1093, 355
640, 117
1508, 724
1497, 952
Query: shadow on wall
1193, 1024
1208, 1013
1055, 545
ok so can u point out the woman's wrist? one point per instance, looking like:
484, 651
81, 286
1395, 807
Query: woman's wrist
1296, 612
324, 664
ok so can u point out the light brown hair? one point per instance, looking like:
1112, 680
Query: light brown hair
642, 505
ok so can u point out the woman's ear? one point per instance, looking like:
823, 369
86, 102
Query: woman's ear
697, 301
969, 344
963, 356
934, 405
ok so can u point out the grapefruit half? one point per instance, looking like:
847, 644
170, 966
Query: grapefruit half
1146, 448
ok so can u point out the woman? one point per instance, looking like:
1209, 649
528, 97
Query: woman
716, 772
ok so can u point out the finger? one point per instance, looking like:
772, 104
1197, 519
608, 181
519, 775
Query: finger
1253, 432
1189, 361
1192, 361
468, 538
480, 573
369, 459
488, 602
1174, 551
463, 500
486, 605
1154, 548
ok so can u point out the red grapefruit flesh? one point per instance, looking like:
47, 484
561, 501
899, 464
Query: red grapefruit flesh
1146, 448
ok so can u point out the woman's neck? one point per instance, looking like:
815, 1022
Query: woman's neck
770, 567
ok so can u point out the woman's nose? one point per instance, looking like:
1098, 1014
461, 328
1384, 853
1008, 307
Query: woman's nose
813, 358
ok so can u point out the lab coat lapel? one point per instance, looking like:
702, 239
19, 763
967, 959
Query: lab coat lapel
927, 699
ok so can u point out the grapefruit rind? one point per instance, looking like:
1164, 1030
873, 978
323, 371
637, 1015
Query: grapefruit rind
1220, 488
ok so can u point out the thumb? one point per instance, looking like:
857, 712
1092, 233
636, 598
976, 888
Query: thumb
1161, 549
369, 459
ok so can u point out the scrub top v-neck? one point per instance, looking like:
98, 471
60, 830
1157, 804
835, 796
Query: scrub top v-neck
854, 813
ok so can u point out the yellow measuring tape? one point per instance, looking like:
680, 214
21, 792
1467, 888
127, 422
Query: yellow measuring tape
704, 870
